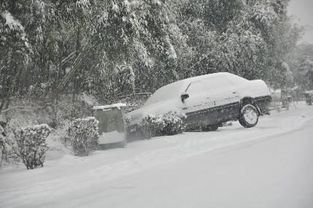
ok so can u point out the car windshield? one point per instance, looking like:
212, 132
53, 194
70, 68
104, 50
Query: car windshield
165, 93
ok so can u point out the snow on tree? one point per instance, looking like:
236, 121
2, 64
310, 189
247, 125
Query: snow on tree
14, 53
300, 61
306, 70
2, 143
50, 48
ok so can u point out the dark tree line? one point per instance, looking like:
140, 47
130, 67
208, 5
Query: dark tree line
114, 48
301, 64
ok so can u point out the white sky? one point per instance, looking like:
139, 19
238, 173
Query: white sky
302, 10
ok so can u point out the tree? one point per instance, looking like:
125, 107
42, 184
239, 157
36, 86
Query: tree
306, 74
114, 48
300, 62
249, 38
14, 54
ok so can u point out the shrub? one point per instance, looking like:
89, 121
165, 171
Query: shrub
7, 147
173, 123
2, 144
31, 145
170, 123
150, 126
84, 135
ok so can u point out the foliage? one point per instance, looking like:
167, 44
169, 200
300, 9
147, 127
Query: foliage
248, 38
170, 123
301, 64
84, 135
114, 48
306, 73
2, 144
32, 146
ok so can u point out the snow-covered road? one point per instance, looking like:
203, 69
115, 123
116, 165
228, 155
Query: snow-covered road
270, 165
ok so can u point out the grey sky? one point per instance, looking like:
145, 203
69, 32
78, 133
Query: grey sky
302, 10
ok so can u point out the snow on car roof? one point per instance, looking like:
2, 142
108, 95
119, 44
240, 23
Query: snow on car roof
173, 89
213, 75
106, 107
196, 78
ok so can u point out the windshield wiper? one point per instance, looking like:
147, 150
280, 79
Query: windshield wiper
188, 87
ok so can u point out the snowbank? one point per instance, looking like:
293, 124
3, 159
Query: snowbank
64, 181
107, 107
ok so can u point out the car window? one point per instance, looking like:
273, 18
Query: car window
165, 93
212, 84
236, 80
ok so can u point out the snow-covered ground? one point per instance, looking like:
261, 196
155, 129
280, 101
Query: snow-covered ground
270, 165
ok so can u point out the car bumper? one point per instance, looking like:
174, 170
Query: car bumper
263, 103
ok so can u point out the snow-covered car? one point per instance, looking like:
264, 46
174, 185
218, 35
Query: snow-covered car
207, 101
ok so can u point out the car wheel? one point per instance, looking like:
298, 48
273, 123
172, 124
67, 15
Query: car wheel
249, 116
210, 128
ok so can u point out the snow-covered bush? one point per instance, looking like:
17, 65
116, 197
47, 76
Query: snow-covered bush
173, 123
84, 135
149, 126
31, 145
170, 123
2, 144
7, 145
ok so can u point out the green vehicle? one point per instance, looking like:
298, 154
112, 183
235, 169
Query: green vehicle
111, 125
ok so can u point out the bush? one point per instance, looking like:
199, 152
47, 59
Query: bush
7, 147
84, 135
170, 123
2, 144
31, 145
173, 124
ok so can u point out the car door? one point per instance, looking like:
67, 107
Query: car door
199, 107
210, 100
198, 97
227, 99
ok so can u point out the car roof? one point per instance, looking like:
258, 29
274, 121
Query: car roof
182, 85
201, 77
213, 75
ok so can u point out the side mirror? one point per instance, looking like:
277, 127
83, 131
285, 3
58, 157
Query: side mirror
184, 97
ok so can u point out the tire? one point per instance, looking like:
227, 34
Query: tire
249, 116
210, 128
241, 122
